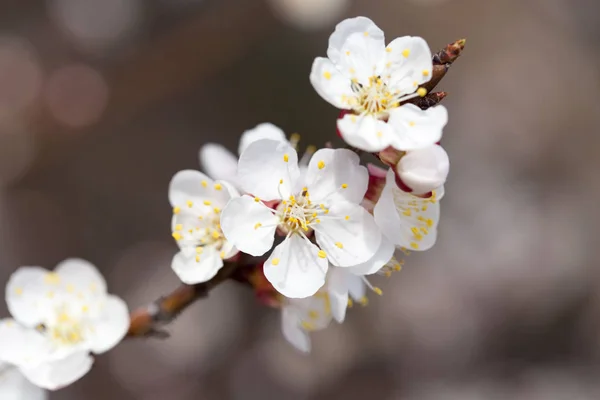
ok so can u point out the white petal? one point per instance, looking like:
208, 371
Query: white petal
294, 334
348, 234
109, 325
191, 271
356, 287
82, 275
382, 256
335, 174
26, 292
218, 162
425, 169
366, 133
330, 83
14, 386
337, 288
249, 225
190, 185
59, 373
407, 220
409, 63
415, 128
295, 268
268, 169
20, 345
265, 130
357, 48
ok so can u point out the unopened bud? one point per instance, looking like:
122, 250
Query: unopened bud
425, 169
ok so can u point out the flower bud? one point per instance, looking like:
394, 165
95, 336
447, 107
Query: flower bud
425, 169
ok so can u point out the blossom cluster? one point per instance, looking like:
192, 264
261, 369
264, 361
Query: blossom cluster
323, 221
318, 222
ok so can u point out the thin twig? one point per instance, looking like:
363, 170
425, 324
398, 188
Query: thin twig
147, 321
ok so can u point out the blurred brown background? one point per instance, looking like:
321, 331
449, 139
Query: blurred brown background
102, 101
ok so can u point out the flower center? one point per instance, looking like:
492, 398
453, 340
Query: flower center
298, 213
66, 331
198, 225
377, 98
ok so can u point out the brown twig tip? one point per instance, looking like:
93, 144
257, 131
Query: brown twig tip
450, 53
442, 60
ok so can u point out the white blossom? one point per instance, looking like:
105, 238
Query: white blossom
324, 201
407, 220
14, 386
361, 74
59, 318
425, 169
197, 202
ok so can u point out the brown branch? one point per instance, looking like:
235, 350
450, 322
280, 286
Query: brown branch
147, 321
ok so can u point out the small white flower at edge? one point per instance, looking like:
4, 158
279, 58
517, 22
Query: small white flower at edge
14, 386
408, 221
219, 163
299, 317
59, 318
361, 74
325, 201
197, 202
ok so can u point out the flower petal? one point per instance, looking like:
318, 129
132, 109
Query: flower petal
197, 268
294, 334
266, 130
356, 287
330, 83
59, 373
408, 221
336, 174
366, 133
337, 288
20, 345
425, 169
357, 48
195, 187
249, 225
295, 268
348, 235
25, 295
109, 326
14, 386
82, 276
415, 128
383, 255
268, 169
218, 162
409, 63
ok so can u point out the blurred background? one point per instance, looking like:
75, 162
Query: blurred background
102, 101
